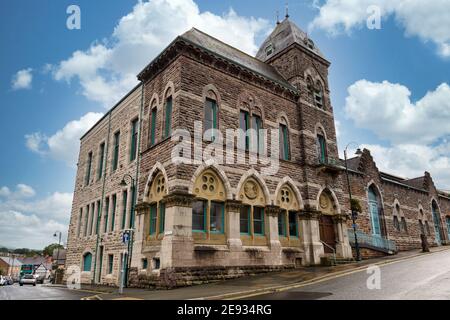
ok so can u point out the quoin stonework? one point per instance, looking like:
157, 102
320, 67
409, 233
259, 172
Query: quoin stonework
207, 221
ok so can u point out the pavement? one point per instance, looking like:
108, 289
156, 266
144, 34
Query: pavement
410, 274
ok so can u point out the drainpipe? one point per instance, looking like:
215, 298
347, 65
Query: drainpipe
136, 186
99, 212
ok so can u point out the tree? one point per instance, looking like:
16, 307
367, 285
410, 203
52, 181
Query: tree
48, 250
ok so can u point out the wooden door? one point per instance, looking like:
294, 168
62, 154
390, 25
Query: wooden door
327, 233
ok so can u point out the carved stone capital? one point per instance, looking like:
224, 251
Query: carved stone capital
142, 208
178, 200
340, 218
272, 210
310, 215
233, 205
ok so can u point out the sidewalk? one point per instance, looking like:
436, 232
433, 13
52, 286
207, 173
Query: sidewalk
248, 286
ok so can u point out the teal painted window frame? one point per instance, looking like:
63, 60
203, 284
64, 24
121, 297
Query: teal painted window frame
80, 220
211, 104
97, 218
124, 211
168, 117
249, 212
284, 142
91, 229
154, 114
262, 222
246, 119
322, 148
222, 218
105, 227
87, 262
113, 212
101, 161
153, 219
134, 139
144, 264
110, 263
88, 169
132, 212
162, 217
282, 223
115, 160
205, 208
86, 221
295, 223
257, 121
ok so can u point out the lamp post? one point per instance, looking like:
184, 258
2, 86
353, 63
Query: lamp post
354, 214
57, 253
123, 183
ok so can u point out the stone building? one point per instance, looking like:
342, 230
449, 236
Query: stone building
203, 220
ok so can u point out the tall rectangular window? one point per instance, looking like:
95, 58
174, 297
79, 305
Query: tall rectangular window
216, 217
88, 169
105, 227
91, 224
101, 160
282, 223
404, 225
80, 219
168, 120
132, 213
162, 217
198, 216
293, 224
245, 219
244, 124
110, 263
258, 220
153, 127
115, 159
153, 218
258, 143
210, 115
113, 212
284, 142
134, 139
97, 217
322, 148
124, 208
86, 221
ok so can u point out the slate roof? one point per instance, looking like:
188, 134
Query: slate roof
285, 34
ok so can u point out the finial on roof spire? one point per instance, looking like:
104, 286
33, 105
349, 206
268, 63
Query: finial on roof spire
278, 17
287, 9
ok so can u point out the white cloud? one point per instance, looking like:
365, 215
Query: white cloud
108, 70
388, 111
64, 144
417, 132
22, 79
30, 222
429, 20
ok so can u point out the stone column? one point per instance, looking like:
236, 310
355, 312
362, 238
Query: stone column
177, 246
310, 237
233, 211
343, 248
274, 240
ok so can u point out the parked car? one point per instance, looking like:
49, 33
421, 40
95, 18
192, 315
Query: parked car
28, 279
39, 278
9, 281
2, 281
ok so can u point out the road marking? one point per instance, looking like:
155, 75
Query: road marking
339, 274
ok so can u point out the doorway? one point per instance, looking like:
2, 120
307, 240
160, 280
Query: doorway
327, 233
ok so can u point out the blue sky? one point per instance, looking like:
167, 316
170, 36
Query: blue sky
50, 95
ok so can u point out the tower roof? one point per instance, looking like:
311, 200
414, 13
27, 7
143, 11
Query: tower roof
285, 34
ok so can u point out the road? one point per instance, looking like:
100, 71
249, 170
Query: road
40, 292
425, 278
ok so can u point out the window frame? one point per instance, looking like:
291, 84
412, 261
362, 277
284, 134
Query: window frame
101, 160
134, 139
85, 269
110, 263
284, 132
248, 208
116, 153
105, 227
168, 107
87, 180
205, 208
152, 124
124, 209
214, 123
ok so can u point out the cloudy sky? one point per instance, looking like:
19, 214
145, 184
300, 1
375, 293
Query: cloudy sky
390, 86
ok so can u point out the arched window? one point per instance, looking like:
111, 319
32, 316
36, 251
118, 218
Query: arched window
288, 216
208, 209
252, 217
421, 221
396, 220
210, 114
374, 210
168, 105
284, 140
153, 124
310, 88
437, 222
322, 147
87, 262
318, 95
157, 217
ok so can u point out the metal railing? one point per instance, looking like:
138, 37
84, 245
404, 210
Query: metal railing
330, 162
332, 249
372, 240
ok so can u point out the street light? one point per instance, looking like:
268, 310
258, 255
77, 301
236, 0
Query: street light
57, 252
354, 214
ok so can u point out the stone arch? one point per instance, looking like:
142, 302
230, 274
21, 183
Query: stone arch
219, 172
394, 208
319, 128
157, 168
154, 101
169, 90
327, 202
377, 220
282, 117
252, 173
287, 181
209, 186
378, 190
213, 89
421, 213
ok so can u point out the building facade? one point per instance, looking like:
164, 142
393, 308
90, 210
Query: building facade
152, 168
